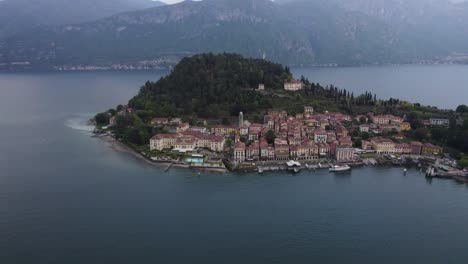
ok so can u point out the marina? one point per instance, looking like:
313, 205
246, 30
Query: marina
434, 168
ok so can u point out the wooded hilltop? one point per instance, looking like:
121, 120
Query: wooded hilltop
216, 87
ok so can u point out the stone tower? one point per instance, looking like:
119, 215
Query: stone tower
241, 119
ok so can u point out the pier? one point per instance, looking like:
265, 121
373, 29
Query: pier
168, 167
273, 168
457, 175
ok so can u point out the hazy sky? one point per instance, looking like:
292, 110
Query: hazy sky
177, 1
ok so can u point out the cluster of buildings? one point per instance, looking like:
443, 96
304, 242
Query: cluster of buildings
187, 142
385, 123
382, 123
293, 85
300, 137
305, 136
437, 122
185, 138
388, 146
310, 136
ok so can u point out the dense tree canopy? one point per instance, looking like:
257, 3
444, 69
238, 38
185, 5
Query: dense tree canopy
462, 109
270, 136
102, 119
212, 85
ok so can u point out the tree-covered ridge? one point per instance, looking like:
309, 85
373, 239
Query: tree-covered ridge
212, 85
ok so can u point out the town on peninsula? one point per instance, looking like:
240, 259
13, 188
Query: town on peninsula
228, 113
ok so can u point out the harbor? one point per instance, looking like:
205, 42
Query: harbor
431, 167
441, 171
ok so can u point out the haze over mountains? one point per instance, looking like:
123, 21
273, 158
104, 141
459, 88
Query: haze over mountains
295, 32
18, 15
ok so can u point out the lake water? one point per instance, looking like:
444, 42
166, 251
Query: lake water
444, 86
66, 197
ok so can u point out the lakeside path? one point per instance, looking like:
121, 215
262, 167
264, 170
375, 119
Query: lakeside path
165, 165
121, 147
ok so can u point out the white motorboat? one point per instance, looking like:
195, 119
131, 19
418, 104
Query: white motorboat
338, 168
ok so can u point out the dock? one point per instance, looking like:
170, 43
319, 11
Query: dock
168, 167
266, 168
272, 168
457, 175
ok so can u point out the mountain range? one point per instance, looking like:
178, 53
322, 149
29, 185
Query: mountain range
20, 15
294, 32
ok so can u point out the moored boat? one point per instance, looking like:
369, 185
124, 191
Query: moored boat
294, 166
340, 168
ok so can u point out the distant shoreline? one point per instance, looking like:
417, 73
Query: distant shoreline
162, 69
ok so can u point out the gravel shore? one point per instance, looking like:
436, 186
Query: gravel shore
121, 147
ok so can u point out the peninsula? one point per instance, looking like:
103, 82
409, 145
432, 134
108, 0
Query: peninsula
223, 111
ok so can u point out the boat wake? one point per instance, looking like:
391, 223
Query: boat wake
80, 122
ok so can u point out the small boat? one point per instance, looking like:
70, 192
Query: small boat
260, 170
338, 168
430, 172
294, 166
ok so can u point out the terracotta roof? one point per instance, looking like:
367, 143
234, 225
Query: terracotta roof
239, 145
192, 133
254, 146
293, 82
402, 145
320, 131
429, 145
162, 136
382, 140
222, 126
160, 120
215, 138
186, 141
280, 142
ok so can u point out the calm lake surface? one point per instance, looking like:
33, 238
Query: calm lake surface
68, 198
444, 86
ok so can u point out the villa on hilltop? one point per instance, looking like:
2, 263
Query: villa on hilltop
293, 85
